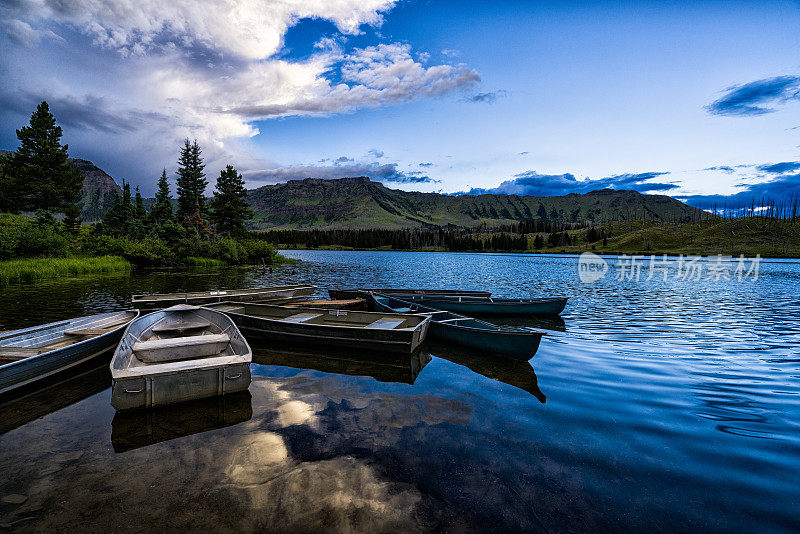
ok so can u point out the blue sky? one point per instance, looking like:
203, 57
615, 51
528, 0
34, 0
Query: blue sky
527, 98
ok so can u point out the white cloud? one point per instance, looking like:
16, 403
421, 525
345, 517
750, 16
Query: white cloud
207, 70
247, 28
24, 34
371, 77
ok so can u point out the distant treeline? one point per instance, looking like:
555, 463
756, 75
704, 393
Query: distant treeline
770, 208
451, 239
505, 238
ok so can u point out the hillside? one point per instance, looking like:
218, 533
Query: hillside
362, 203
749, 236
97, 193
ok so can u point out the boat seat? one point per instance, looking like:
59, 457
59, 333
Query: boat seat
182, 326
227, 308
301, 317
86, 332
19, 353
180, 342
402, 310
385, 323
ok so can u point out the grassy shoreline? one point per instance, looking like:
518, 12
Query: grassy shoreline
28, 270
32, 269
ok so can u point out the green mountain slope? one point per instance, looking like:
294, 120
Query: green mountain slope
362, 203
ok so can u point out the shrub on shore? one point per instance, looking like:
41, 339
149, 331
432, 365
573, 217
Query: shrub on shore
22, 236
43, 236
155, 251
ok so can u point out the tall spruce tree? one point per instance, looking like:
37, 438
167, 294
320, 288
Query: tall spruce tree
191, 185
112, 220
38, 175
138, 226
161, 212
72, 218
118, 220
139, 211
10, 189
230, 209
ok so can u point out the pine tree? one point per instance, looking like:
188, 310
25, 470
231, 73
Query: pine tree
38, 175
72, 218
127, 204
10, 189
230, 207
161, 212
113, 217
139, 212
119, 218
138, 221
191, 183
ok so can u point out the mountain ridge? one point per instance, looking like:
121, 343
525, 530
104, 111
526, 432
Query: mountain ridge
359, 202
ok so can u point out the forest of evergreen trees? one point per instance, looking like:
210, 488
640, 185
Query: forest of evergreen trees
38, 178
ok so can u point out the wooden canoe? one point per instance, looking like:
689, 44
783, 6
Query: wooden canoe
472, 305
399, 292
341, 304
518, 343
273, 294
390, 332
178, 354
35, 353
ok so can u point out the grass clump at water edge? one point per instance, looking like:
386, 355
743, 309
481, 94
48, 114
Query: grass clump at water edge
31, 269
196, 261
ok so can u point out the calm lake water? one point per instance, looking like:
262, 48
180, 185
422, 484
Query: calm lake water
670, 405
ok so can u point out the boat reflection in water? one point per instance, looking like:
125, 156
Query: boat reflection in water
53, 394
401, 369
382, 366
131, 430
517, 373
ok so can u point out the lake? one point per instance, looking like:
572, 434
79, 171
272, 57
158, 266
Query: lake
662, 401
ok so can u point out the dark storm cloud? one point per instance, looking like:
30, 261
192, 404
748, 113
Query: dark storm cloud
379, 172
724, 168
780, 168
535, 184
486, 98
89, 112
756, 98
783, 187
